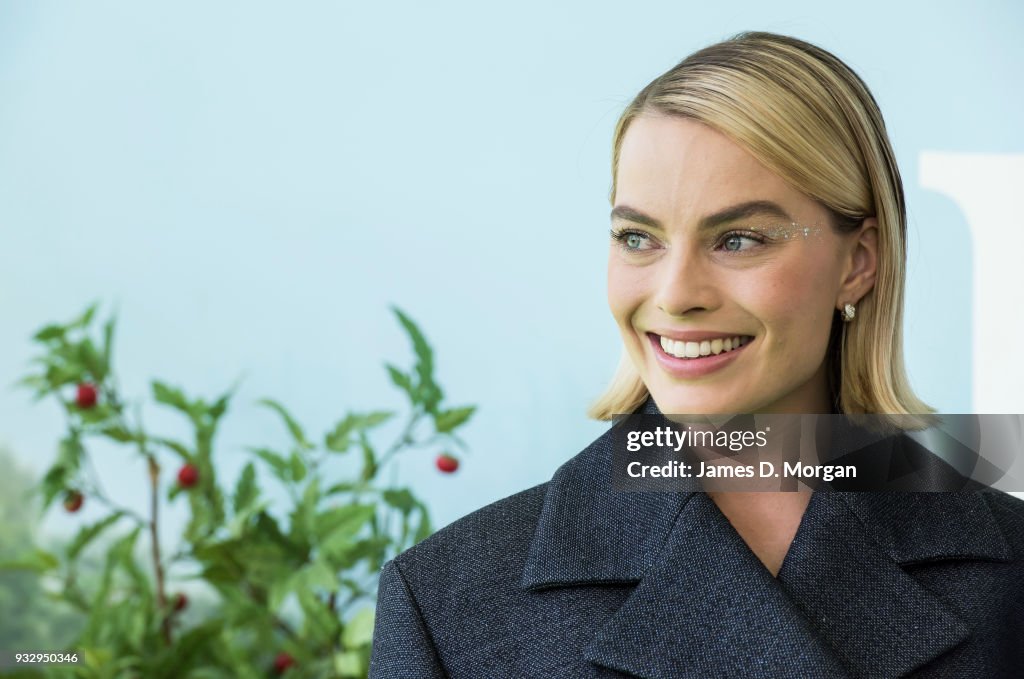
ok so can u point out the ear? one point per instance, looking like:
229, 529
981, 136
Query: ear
860, 264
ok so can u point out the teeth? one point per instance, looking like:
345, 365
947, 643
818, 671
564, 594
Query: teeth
705, 348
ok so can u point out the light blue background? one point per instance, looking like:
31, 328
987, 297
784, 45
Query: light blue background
252, 184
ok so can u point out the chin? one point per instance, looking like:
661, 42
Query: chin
671, 402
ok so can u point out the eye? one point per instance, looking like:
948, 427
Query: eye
734, 241
631, 241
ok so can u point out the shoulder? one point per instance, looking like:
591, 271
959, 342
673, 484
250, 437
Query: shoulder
429, 593
486, 548
1008, 512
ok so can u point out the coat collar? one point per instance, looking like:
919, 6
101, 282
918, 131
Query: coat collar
704, 605
588, 532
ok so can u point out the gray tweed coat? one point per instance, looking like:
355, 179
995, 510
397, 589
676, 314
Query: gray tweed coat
571, 579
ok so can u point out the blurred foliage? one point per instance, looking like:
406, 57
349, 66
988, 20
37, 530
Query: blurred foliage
292, 586
29, 619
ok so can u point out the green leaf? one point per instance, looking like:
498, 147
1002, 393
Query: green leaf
401, 499
122, 554
38, 560
319, 575
201, 524
430, 395
344, 520
279, 591
304, 515
340, 439
118, 433
85, 318
108, 342
343, 487
171, 396
376, 418
99, 413
349, 664
400, 379
54, 483
426, 391
177, 447
92, 360
49, 332
359, 630
242, 521
311, 496
278, 464
296, 431
338, 544
369, 458
69, 451
321, 626
219, 407
117, 553
298, 468
346, 554
447, 420
246, 491
89, 533
60, 372
424, 355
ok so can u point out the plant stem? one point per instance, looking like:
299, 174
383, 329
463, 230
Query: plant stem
154, 533
404, 439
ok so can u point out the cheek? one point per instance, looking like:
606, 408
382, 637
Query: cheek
626, 290
793, 304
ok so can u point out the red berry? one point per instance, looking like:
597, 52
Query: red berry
282, 662
446, 463
188, 476
180, 602
86, 397
73, 501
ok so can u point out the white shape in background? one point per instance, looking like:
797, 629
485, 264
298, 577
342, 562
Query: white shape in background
987, 187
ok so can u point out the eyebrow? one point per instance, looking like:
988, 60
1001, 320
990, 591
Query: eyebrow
730, 214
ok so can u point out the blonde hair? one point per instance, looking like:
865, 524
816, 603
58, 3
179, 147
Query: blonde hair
808, 117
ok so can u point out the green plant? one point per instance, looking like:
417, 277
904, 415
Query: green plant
293, 589
28, 620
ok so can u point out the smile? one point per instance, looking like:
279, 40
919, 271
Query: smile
716, 346
697, 356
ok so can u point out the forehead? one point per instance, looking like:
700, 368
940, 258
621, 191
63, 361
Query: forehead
675, 165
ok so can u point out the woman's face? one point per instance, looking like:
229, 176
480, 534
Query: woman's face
713, 246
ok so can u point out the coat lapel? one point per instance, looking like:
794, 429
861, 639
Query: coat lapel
709, 608
588, 533
704, 605
845, 570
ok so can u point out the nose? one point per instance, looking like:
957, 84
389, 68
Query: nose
684, 283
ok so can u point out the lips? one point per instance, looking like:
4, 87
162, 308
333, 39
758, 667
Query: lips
695, 346
698, 365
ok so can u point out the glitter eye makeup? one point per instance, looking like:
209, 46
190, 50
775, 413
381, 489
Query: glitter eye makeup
790, 232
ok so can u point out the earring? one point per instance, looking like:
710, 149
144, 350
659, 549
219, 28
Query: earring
849, 311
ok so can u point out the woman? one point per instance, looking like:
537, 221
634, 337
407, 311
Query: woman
756, 266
